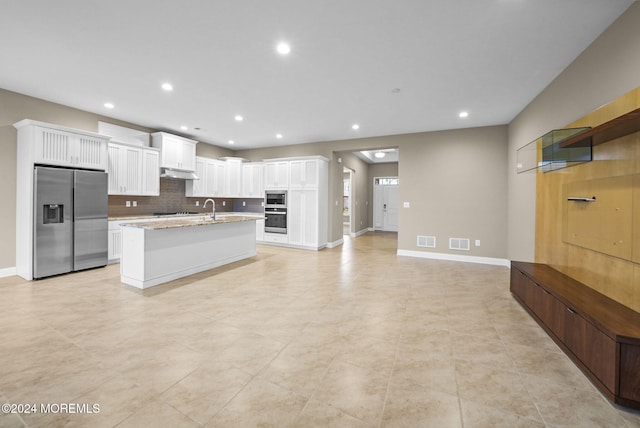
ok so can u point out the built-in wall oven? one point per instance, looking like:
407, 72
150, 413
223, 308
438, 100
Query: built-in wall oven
275, 211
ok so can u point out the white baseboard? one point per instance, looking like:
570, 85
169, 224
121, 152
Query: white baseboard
335, 243
456, 258
359, 233
8, 272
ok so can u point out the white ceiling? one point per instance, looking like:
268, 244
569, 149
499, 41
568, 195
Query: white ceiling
488, 57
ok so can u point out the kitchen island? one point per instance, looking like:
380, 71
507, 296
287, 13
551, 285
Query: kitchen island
155, 252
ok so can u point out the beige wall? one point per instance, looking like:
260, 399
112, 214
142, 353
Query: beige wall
607, 69
455, 183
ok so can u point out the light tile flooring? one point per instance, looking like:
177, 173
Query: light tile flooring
353, 336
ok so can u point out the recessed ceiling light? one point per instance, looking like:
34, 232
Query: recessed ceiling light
380, 155
355, 126
184, 128
231, 142
109, 105
239, 118
463, 114
283, 48
278, 136
167, 86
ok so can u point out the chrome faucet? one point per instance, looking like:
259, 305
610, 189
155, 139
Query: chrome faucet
213, 208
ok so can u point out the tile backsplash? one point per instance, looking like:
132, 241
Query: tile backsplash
172, 199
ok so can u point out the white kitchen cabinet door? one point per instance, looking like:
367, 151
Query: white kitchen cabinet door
276, 175
150, 172
216, 170
197, 188
304, 173
259, 230
124, 170
233, 178
60, 148
175, 152
114, 242
252, 180
302, 218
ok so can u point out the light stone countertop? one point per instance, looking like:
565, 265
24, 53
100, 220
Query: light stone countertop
199, 220
183, 216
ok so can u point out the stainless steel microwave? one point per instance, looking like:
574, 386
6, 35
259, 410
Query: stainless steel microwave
275, 199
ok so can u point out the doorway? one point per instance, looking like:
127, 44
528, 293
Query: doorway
347, 201
385, 204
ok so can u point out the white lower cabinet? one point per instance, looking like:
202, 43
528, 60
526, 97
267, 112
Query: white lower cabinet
259, 230
114, 241
276, 238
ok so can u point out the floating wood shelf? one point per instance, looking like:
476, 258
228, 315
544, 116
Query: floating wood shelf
615, 128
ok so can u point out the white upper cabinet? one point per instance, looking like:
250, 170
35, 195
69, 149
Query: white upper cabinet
197, 187
215, 173
65, 148
175, 152
211, 179
150, 172
233, 178
276, 174
252, 180
304, 173
133, 170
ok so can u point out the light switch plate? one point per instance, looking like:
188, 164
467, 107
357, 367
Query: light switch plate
135, 203
477, 242
127, 204
406, 205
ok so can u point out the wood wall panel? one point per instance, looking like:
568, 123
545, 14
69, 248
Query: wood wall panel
611, 212
635, 250
613, 276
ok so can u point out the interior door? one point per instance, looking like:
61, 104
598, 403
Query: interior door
385, 204
390, 207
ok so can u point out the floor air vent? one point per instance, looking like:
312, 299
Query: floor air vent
426, 241
459, 244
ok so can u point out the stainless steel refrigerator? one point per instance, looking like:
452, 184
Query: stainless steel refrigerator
70, 230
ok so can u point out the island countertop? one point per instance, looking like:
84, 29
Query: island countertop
202, 220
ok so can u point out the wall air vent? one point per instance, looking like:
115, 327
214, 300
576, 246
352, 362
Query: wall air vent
462, 244
426, 241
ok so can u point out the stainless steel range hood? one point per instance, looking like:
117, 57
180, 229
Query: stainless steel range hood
177, 174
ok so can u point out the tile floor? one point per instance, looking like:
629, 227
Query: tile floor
348, 337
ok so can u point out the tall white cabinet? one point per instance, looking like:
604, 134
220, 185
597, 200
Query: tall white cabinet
307, 183
48, 144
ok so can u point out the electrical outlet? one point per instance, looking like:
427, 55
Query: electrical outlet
127, 204
135, 203
197, 203
477, 242
224, 203
244, 203
406, 205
